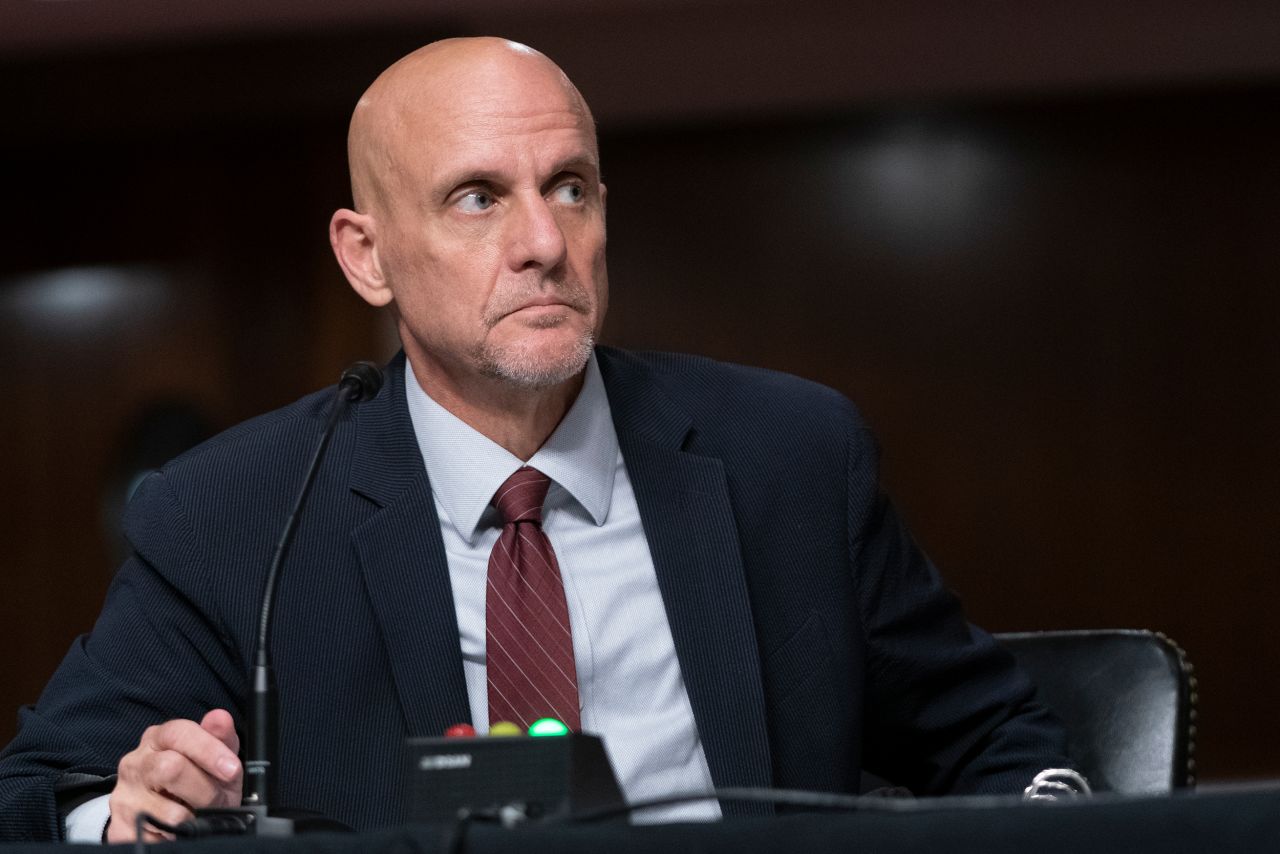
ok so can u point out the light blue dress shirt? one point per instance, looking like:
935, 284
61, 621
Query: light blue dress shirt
629, 684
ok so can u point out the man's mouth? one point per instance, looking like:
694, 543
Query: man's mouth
545, 304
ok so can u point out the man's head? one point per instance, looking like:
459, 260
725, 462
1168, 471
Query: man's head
479, 213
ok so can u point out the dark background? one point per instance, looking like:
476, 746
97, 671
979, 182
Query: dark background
1036, 242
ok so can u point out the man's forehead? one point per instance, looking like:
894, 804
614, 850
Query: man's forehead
494, 120
483, 150
495, 125
464, 100
523, 92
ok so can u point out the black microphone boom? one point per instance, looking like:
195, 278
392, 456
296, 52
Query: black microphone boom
360, 382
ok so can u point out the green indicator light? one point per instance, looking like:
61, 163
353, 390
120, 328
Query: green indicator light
548, 726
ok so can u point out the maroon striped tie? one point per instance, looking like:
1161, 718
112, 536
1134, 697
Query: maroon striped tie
529, 648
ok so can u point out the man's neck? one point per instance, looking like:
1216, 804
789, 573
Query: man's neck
519, 419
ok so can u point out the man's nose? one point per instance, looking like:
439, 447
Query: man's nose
535, 239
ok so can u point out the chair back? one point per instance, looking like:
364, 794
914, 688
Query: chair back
1127, 699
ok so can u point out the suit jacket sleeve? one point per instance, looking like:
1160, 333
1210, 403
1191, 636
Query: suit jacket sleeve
134, 670
947, 710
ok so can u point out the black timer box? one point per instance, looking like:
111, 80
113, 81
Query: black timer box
549, 775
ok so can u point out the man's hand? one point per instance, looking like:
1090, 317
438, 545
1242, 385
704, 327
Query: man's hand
177, 767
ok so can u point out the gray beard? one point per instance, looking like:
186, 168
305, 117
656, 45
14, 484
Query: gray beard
514, 367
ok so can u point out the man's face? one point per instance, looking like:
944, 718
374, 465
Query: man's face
491, 234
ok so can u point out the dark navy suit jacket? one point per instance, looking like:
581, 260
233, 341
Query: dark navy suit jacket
814, 638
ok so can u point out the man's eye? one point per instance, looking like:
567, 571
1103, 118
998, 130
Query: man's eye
476, 201
570, 194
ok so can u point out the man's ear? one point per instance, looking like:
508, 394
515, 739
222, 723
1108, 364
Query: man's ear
353, 238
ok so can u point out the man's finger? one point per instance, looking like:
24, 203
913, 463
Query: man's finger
125, 812
175, 776
220, 723
203, 748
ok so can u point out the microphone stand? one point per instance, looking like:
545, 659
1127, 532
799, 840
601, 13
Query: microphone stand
254, 817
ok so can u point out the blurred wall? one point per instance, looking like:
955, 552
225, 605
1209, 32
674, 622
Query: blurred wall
1049, 284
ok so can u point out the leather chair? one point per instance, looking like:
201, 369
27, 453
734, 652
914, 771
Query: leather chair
1127, 699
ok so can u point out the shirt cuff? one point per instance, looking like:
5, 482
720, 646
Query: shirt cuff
87, 822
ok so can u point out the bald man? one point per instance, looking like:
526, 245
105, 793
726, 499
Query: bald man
743, 606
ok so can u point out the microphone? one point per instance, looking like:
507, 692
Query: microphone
358, 383
363, 381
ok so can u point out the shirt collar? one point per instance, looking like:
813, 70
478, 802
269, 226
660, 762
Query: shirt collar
466, 468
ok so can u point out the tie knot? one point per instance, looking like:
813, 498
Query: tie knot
520, 497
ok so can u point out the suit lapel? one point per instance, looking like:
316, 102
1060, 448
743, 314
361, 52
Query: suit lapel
689, 523
403, 561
